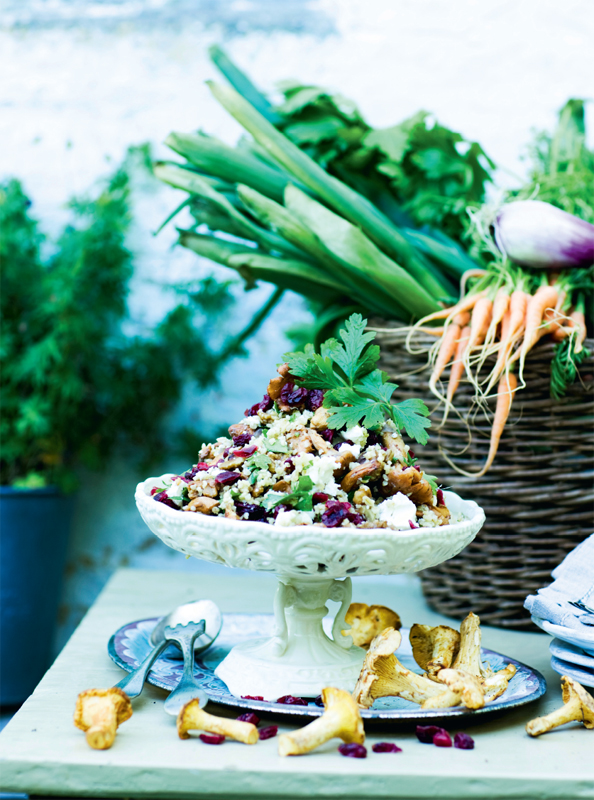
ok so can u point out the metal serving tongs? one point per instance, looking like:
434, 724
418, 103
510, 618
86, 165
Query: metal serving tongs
100, 711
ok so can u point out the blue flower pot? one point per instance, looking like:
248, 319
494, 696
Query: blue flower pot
35, 524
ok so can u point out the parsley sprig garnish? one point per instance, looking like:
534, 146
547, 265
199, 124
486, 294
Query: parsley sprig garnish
300, 498
357, 392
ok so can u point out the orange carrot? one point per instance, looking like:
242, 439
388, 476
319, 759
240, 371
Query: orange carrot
579, 321
457, 367
481, 318
505, 395
447, 349
462, 319
500, 306
545, 297
465, 304
518, 303
561, 332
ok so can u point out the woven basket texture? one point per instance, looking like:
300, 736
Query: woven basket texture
538, 496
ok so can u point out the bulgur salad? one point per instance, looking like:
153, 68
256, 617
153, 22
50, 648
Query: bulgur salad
323, 447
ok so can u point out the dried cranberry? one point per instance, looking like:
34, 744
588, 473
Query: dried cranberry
242, 438
418, 469
425, 733
315, 398
251, 697
412, 525
386, 747
253, 511
328, 435
226, 478
373, 438
463, 741
293, 395
440, 498
442, 739
155, 490
202, 466
289, 700
268, 732
318, 701
289, 466
320, 497
352, 750
212, 738
335, 513
181, 477
161, 497
411, 454
249, 717
264, 405
246, 451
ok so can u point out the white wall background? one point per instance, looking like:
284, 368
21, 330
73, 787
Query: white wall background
80, 80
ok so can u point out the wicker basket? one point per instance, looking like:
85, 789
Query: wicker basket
538, 495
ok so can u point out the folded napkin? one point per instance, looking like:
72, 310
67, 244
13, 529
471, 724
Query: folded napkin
574, 580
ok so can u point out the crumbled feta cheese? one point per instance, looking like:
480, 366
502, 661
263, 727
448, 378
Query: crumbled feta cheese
253, 422
174, 492
294, 517
322, 471
357, 434
355, 449
331, 488
397, 511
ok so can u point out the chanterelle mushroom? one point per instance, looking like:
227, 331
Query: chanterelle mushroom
469, 660
341, 718
99, 712
469, 655
192, 717
496, 684
383, 675
463, 689
434, 648
368, 621
578, 707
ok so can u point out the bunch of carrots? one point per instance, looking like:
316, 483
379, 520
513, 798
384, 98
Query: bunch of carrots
504, 315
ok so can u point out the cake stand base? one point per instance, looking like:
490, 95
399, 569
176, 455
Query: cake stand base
299, 659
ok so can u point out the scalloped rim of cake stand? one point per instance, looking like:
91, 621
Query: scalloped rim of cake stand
220, 540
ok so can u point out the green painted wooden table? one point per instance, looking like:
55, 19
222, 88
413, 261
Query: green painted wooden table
41, 753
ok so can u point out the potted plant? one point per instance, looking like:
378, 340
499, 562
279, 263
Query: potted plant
73, 389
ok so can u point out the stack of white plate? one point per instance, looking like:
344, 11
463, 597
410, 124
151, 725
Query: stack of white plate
572, 651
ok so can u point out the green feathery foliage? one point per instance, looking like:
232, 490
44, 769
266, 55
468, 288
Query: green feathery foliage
74, 387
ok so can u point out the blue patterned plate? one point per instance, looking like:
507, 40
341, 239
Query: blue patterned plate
130, 644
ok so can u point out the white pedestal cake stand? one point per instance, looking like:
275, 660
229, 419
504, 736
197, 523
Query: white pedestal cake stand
313, 565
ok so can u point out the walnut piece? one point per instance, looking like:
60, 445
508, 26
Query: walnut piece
370, 469
203, 505
344, 459
275, 387
319, 421
203, 488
